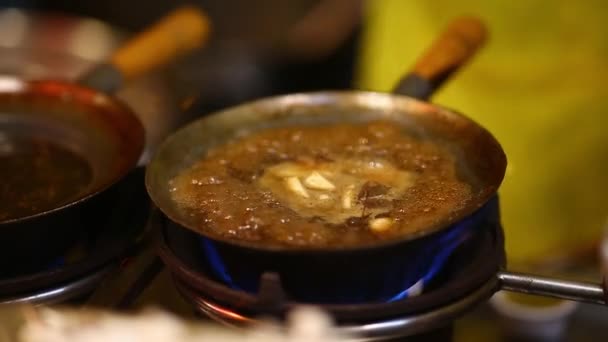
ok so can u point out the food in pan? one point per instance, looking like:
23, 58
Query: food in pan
338, 185
37, 175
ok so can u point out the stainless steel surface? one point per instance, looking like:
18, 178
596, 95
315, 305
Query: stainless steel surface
374, 331
557, 288
58, 46
61, 293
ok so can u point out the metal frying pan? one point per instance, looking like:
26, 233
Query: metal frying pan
313, 273
479, 154
83, 119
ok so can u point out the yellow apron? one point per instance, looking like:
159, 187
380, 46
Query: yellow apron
540, 86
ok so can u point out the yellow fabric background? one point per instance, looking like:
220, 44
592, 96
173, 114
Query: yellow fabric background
539, 85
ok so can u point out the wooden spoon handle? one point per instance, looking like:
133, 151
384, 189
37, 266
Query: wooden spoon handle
460, 40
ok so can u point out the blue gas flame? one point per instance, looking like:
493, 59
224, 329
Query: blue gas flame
440, 250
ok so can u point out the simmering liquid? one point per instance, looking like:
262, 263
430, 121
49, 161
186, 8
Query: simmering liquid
37, 175
333, 185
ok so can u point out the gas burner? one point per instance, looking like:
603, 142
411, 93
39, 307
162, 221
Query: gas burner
61, 293
82, 267
409, 325
467, 279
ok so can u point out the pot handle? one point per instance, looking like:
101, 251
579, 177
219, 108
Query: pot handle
453, 48
556, 288
183, 30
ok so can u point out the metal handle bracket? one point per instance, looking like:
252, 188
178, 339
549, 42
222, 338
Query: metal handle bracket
551, 287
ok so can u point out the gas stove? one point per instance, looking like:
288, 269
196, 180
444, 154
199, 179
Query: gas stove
465, 281
132, 276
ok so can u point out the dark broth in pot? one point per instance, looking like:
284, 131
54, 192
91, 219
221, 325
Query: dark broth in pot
38, 175
334, 185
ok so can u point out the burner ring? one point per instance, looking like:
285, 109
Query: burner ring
392, 327
63, 292
470, 269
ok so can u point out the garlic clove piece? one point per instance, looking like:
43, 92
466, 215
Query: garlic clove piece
288, 170
381, 224
316, 181
347, 197
294, 185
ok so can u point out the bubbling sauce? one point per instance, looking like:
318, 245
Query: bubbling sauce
333, 185
37, 175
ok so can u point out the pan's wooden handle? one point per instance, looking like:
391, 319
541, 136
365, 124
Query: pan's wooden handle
453, 48
181, 31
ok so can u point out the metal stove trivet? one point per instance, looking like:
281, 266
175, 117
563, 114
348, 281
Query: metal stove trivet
63, 292
382, 329
424, 321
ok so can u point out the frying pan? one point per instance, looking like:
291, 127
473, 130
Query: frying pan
338, 270
323, 270
479, 154
86, 120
